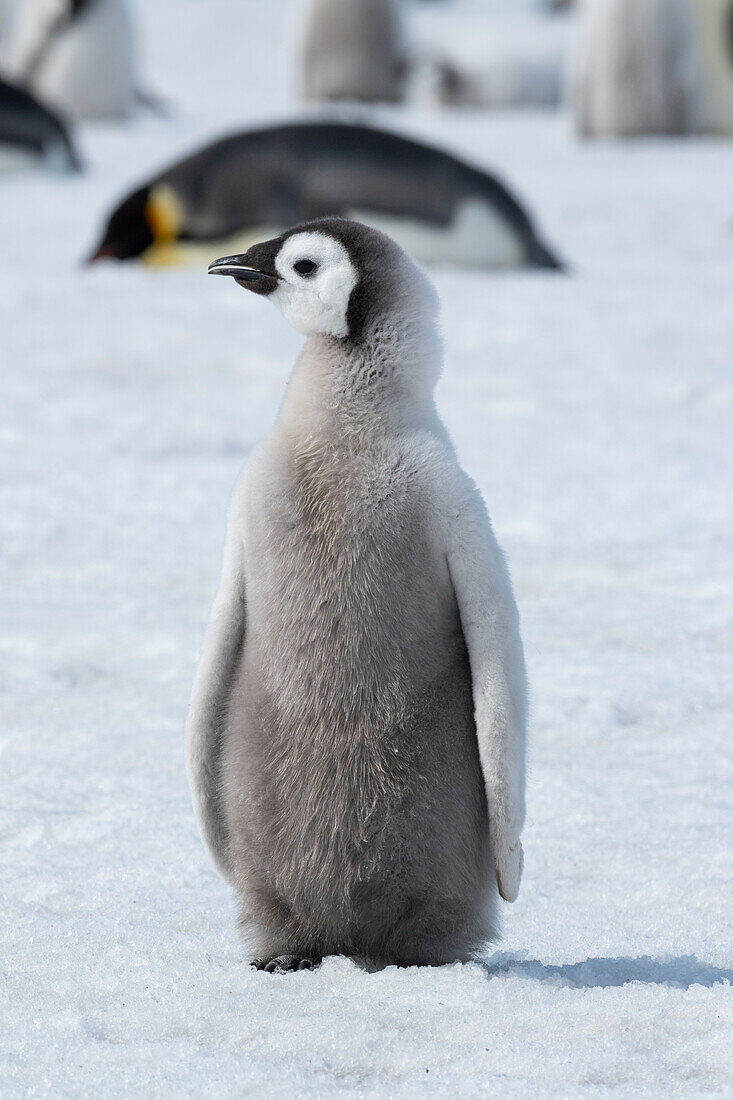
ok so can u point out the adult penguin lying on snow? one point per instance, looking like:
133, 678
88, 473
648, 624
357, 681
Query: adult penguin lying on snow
255, 184
474, 66
31, 130
76, 55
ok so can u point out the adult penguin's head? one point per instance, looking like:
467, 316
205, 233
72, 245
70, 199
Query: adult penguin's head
150, 216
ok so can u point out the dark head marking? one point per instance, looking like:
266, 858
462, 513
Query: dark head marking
376, 260
128, 233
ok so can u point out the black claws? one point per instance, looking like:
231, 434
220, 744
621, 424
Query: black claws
284, 964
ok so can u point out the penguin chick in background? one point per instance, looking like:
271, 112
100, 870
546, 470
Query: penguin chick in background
352, 50
356, 735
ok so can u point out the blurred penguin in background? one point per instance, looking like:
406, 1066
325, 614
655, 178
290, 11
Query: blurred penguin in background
31, 135
714, 30
523, 68
637, 69
6, 10
352, 50
513, 57
435, 205
77, 56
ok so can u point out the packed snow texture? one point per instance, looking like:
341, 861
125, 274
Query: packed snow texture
595, 411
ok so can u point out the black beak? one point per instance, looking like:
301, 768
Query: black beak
235, 266
250, 277
262, 282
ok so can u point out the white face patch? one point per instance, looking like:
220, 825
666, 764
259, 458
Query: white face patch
314, 300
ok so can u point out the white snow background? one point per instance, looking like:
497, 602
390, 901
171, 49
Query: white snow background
595, 411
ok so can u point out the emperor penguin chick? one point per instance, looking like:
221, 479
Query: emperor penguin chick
355, 741
352, 50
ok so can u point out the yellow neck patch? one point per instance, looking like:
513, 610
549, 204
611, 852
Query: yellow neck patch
164, 214
175, 253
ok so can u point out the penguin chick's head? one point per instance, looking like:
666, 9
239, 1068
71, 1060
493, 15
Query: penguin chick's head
331, 277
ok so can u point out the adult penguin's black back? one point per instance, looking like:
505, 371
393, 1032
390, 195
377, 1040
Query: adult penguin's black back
434, 204
27, 125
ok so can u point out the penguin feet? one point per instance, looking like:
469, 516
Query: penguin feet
283, 964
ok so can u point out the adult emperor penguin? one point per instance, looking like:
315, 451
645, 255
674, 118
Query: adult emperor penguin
355, 741
78, 56
31, 132
352, 50
255, 184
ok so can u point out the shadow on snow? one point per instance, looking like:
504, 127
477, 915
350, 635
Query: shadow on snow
679, 972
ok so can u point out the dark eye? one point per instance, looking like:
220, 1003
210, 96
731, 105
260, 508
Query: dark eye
305, 267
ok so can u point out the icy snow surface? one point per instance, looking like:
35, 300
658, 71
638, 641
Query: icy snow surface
594, 409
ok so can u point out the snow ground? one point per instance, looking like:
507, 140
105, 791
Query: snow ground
594, 410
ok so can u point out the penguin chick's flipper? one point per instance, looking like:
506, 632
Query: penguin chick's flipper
285, 964
490, 626
509, 867
220, 657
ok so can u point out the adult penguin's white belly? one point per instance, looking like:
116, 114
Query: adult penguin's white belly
84, 66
